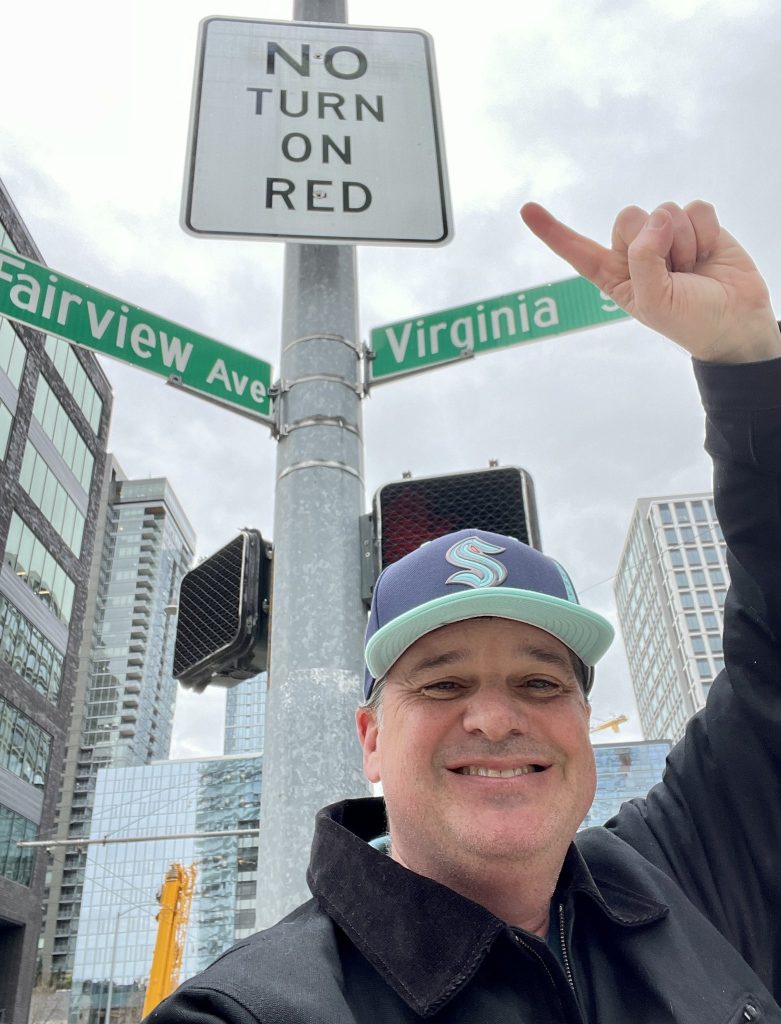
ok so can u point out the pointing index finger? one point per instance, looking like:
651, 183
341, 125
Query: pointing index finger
602, 266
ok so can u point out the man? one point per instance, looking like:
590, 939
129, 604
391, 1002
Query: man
480, 904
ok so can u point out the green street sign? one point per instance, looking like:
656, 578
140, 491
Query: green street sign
51, 302
421, 343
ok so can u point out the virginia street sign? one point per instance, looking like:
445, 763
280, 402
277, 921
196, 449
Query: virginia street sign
49, 301
530, 315
315, 132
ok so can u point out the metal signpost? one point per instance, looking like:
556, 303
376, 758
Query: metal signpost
421, 343
49, 301
316, 132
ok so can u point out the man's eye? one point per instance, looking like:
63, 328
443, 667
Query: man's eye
542, 685
442, 688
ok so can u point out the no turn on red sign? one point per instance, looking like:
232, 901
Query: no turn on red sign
316, 132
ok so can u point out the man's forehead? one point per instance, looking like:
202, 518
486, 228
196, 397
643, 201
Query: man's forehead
458, 641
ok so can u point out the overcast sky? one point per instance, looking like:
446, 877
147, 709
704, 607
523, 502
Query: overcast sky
584, 106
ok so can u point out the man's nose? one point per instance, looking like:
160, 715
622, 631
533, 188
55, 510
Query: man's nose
495, 713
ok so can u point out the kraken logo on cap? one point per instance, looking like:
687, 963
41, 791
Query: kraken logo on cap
472, 554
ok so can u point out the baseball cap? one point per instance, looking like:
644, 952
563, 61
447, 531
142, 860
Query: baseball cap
473, 574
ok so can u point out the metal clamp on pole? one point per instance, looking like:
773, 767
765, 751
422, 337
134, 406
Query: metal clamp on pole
331, 378
322, 463
275, 394
323, 337
367, 355
318, 421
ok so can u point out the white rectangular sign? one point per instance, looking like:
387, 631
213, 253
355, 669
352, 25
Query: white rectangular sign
316, 132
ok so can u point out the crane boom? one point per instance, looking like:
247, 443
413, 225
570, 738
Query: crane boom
175, 898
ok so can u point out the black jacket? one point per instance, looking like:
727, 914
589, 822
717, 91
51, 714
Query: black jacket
669, 913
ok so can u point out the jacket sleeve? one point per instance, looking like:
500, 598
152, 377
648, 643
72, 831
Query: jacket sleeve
200, 1005
714, 823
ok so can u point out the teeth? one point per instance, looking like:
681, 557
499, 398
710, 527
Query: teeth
493, 773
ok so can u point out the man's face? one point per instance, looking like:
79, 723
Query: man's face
463, 704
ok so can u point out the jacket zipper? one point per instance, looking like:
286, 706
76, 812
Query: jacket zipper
564, 953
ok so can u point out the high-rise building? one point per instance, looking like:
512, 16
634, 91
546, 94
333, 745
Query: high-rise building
670, 589
245, 716
117, 926
55, 406
624, 771
124, 701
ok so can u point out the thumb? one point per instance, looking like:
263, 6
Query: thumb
648, 268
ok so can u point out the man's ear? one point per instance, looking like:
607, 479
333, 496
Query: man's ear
369, 736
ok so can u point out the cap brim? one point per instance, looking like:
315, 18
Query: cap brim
586, 633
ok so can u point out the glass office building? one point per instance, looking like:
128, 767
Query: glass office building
55, 406
124, 702
117, 925
245, 716
670, 589
624, 771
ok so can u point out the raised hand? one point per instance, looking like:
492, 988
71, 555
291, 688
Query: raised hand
679, 272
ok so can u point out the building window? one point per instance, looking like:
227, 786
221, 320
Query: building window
6, 422
76, 380
665, 514
12, 353
61, 430
16, 862
681, 512
37, 567
28, 651
38, 479
24, 746
699, 512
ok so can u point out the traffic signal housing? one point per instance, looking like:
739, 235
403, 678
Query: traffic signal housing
223, 615
407, 513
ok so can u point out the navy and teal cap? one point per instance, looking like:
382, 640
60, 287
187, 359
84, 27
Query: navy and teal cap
474, 574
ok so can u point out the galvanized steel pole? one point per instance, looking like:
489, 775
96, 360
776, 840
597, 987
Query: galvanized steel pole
312, 756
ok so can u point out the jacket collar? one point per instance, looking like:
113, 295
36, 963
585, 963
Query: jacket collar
399, 920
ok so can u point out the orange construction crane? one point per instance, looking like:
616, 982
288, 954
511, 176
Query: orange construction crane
611, 723
175, 898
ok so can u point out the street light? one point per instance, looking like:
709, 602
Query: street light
120, 913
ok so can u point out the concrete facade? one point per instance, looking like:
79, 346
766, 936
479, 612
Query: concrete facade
670, 589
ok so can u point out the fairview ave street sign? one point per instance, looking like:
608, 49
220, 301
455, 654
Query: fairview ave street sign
315, 132
48, 301
529, 315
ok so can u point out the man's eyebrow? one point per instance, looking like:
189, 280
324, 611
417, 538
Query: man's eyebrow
454, 657
547, 656
438, 661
